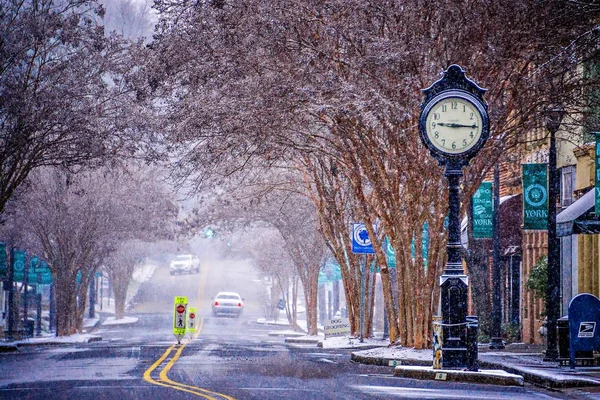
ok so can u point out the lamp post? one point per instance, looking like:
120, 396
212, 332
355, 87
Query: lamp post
454, 126
554, 117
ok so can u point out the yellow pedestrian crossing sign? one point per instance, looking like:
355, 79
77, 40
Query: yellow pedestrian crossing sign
192, 318
179, 317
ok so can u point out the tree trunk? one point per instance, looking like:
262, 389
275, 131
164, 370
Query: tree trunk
390, 306
120, 292
311, 293
66, 303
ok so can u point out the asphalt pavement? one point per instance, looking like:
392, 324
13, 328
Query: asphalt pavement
502, 367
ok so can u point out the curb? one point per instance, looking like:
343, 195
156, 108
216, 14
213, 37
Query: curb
526, 374
301, 340
287, 334
490, 377
544, 381
7, 348
16, 346
389, 362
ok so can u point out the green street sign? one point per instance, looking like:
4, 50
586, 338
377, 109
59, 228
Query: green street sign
535, 197
19, 259
32, 274
3, 261
44, 273
483, 212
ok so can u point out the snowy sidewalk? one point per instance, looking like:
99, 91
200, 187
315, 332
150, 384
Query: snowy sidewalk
514, 360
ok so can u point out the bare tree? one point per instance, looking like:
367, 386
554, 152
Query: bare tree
64, 88
81, 219
337, 85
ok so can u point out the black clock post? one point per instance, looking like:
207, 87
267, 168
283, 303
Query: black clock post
459, 341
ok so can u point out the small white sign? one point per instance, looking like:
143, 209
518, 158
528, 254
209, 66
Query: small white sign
441, 376
337, 327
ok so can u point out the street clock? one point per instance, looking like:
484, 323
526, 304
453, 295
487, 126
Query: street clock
454, 122
454, 126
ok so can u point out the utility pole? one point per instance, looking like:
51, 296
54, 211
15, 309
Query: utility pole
496, 343
11, 296
553, 119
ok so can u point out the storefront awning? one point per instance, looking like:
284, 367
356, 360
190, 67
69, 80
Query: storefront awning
579, 217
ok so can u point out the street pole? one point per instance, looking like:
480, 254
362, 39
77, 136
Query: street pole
553, 120
52, 316
92, 313
454, 282
496, 343
25, 298
101, 290
38, 319
362, 297
10, 282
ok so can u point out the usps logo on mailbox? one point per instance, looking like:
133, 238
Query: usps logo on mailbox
587, 329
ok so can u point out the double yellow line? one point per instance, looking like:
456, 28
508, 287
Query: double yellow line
166, 382
163, 378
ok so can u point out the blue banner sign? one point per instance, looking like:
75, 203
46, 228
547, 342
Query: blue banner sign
19, 259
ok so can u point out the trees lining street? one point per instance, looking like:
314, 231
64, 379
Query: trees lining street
329, 93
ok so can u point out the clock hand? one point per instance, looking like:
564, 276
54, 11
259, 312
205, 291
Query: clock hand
453, 125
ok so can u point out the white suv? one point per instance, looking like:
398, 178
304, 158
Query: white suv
187, 263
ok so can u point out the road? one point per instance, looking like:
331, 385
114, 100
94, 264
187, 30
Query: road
230, 358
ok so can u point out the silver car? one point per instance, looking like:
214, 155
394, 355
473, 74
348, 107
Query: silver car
227, 303
185, 263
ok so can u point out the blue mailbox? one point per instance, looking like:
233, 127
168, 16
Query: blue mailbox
584, 324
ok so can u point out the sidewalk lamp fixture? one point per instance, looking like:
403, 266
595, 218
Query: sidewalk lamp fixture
553, 119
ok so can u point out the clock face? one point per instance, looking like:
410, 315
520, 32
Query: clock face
453, 124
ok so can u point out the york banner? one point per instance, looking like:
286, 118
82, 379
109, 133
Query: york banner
483, 212
535, 197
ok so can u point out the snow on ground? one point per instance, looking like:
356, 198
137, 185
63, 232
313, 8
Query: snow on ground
140, 275
51, 339
346, 342
122, 321
396, 352
143, 273
90, 322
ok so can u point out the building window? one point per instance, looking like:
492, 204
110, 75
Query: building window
567, 185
